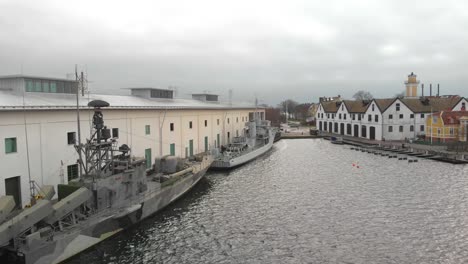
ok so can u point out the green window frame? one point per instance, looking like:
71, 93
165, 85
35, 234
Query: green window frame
148, 158
29, 86
206, 144
72, 172
172, 149
218, 140
10, 145
147, 129
53, 87
37, 86
191, 147
45, 86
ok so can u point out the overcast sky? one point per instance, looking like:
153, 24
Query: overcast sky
270, 49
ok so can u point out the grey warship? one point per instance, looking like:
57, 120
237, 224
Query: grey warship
257, 141
114, 192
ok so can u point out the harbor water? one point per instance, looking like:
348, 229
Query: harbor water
305, 202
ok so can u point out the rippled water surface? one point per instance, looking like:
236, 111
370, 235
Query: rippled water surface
305, 202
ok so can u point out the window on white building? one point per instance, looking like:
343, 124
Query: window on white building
411, 116
369, 118
401, 116
398, 106
373, 107
115, 132
422, 115
390, 129
72, 172
421, 128
452, 132
390, 116
71, 138
411, 128
401, 128
171, 126
10, 145
376, 118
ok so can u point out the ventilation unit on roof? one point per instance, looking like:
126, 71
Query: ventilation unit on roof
152, 93
205, 97
424, 100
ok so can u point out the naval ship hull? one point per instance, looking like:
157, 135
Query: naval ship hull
226, 164
107, 224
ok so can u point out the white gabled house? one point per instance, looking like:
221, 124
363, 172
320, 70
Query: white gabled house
461, 105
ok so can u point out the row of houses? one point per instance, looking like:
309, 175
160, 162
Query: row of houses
385, 119
38, 127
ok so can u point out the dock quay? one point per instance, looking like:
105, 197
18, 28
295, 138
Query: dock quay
298, 136
399, 149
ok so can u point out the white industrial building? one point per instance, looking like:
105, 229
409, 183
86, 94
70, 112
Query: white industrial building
38, 127
385, 119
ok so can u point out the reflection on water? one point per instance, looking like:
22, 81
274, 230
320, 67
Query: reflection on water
305, 202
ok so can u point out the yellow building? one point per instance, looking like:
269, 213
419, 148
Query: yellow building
447, 126
463, 133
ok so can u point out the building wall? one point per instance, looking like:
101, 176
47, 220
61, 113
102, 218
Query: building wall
14, 84
406, 122
344, 119
375, 122
462, 102
50, 153
440, 132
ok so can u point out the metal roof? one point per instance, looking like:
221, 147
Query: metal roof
147, 88
16, 76
46, 101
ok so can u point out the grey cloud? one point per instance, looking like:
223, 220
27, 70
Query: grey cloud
299, 49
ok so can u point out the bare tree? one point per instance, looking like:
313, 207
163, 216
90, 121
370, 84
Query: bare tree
288, 106
363, 95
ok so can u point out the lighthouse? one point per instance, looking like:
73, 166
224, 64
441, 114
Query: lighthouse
412, 86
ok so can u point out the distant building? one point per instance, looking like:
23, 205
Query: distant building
27, 83
447, 126
327, 99
39, 127
385, 119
